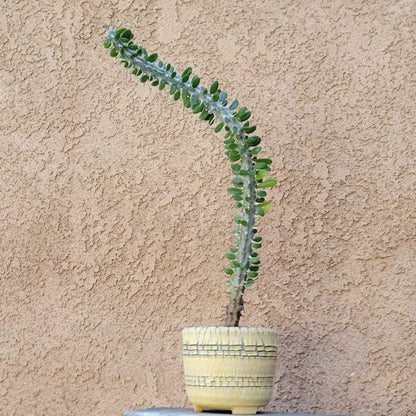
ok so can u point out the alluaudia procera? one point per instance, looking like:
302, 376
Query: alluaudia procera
242, 149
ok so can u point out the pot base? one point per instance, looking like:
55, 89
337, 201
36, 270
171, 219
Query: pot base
238, 410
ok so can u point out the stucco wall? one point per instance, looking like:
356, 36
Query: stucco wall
114, 215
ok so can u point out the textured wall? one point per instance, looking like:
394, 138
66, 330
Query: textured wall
114, 214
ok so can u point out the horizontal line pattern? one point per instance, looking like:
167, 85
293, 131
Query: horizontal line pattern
243, 351
232, 382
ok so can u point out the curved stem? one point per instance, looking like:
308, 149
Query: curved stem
212, 108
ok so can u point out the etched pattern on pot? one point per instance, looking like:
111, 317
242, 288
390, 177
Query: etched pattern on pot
223, 381
215, 350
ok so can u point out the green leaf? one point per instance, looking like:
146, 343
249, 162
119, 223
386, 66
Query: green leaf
235, 191
237, 197
260, 174
234, 264
118, 32
204, 115
245, 116
228, 283
198, 108
107, 43
254, 260
231, 146
266, 206
256, 245
261, 193
260, 165
252, 274
249, 129
235, 168
144, 78
257, 239
228, 270
152, 57
260, 211
195, 81
253, 268
266, 161
229, 256
267, 183
162, 84
194, 100
172, 89
237, 182
255, 150
233, 249
253, 141
177, 95
186, 101
214, 87
233, 105
243, 172
142, 51
240, 112
248, 282
219, 127
234, 157
127, 34
113, 52
186, 74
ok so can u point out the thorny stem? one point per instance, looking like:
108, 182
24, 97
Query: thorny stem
161, 74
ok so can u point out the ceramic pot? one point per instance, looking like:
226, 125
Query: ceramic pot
229, 368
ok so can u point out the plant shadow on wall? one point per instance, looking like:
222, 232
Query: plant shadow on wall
226, 368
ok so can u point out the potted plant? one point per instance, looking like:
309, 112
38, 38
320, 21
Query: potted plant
229, 367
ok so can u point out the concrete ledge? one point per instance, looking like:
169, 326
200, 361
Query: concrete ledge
169, 411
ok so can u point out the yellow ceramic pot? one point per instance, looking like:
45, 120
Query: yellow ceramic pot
229, 368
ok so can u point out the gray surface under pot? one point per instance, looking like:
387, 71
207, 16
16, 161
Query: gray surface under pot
168, 411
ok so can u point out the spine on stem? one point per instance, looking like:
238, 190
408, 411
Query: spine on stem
242, 148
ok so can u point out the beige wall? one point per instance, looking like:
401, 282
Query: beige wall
114, 214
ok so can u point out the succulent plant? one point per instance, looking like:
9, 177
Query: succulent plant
242, 149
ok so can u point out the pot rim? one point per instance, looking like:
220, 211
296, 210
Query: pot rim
231, 328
